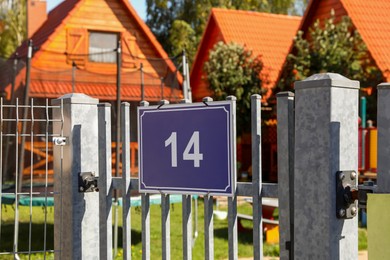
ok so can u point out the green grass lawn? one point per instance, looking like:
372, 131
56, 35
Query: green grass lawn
220, 233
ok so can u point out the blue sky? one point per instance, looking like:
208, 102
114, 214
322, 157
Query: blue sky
139, 5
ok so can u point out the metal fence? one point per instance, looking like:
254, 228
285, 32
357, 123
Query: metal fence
88, 133
317, 153
26, 158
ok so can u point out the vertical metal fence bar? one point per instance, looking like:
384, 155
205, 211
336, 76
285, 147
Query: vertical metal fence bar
25, 111
47, 111
189, 93
256, 177
166, 226
196, 221
145, 200
285, 116
232, 228
16, 220
383, 179
118, 137
58, 190
1, 160
208, 228
185, 82
105, 181
162, 87
142, 82
232, 201
31, 174
126, 204
187, 227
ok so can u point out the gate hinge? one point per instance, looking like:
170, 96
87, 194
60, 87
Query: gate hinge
88, 182
349, 196
346, 194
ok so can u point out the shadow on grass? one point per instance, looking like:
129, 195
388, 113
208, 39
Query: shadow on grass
244, 236
136, 237
37, 237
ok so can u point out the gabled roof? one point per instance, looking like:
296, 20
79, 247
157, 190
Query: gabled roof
47, 44
370, 18
268, 35
56, 17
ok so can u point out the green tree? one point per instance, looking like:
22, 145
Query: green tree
232, 70
182, 37
163, 17
333, 47
13, 18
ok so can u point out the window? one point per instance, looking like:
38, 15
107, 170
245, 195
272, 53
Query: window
102, 47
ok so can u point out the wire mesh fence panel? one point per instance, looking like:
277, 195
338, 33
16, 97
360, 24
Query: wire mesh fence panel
26, 177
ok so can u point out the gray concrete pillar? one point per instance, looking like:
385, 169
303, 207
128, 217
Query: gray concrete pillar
326, 141
383, 168
76, 227
285, 116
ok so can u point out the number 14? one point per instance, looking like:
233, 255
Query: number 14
196, 156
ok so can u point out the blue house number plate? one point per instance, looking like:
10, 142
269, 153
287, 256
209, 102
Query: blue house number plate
187, 148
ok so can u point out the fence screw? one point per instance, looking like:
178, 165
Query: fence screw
341, 176
353, 211
59, 140
81, 189
341, 212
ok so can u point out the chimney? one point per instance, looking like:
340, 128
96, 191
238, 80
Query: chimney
36, 15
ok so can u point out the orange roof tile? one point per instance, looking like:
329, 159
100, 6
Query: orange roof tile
370, 18
268, 35
102, 90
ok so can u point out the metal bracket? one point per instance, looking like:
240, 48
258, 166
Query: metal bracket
60, 141
88, 182
346, 194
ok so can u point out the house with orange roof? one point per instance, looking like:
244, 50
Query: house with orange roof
75, 50
268, 35
85, 34
368, 17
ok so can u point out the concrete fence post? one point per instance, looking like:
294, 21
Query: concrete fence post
285, 116
76, 213
383, 178
326, 141
378, 203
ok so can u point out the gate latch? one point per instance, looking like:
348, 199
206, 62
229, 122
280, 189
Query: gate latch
88, 182
349, 196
